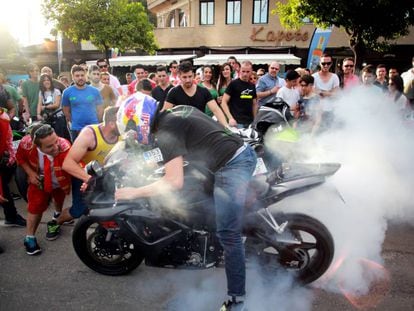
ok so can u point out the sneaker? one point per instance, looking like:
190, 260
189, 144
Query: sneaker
19, 221
53, 230
32, 248
233, 305
56, 216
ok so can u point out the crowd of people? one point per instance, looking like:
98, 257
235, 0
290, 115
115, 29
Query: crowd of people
73, 124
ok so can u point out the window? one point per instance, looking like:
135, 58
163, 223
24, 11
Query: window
260, 11
233, 12
206, 12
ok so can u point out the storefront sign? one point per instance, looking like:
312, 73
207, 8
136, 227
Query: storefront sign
278, 36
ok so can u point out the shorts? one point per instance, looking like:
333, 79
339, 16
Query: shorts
38, 200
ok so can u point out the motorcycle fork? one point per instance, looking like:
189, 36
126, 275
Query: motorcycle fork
110, 227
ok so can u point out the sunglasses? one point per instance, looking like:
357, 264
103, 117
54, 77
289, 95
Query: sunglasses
348, 66
326, 64
103, 66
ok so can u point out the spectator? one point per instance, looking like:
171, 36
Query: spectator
82, 103
239, 101
107, 93
30, 93
174, 79
94, 143
139, 72
7, 168
103, 65
223, 81
164, 86
59, 85
253, 78
17, 101
349, 79
235, 67
209, 83
65, 80
144, 86
289, 92
381, 79
408, 77
310, 110
396, 92
393, 71
128, 77
326, 84
269, 84
187, 93
42, 161
260, 72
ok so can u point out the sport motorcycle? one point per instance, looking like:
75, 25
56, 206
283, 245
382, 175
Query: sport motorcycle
115, 237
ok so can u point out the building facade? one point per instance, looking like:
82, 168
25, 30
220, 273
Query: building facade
248, 26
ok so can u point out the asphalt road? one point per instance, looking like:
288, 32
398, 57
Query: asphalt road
58, 280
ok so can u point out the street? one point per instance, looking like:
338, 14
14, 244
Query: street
58, 280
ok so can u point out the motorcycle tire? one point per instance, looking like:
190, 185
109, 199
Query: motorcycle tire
310, 257
103, 251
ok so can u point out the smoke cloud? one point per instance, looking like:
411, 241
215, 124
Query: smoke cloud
374, 145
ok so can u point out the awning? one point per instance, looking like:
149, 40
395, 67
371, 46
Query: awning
156, 60
256, 59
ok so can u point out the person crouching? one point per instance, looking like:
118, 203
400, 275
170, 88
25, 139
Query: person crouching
41, 157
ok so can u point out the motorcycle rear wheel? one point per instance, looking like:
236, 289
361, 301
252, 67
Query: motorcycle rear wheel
103, 250
311, 254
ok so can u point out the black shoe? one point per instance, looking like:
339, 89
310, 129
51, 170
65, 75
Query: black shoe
19, 221
32, 248
1, 250
15, 196
53, 230
233, 305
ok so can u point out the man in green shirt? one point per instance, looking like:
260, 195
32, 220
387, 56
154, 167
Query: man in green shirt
16, 99
30, 93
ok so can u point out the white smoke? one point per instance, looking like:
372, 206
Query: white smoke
375, 148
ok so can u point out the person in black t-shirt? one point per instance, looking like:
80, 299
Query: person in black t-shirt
190, 94
239, 101
164, 86
184, 132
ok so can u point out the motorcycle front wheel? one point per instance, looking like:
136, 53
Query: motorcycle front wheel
103, 249
306, 248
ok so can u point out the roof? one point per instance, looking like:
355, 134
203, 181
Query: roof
256, 59
155, 60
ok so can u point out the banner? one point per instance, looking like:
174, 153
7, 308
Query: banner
318, 44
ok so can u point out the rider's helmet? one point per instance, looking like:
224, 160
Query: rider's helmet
137, 113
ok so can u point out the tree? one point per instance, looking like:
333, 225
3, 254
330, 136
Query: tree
369, 24
121, 24
9, 47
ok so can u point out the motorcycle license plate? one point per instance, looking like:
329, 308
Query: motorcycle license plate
260, 167
153, 155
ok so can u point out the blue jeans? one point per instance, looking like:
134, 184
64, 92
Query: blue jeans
230, 187
78, 207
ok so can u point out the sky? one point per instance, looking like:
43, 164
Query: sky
24, 20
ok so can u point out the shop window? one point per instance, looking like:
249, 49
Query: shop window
206, 12
260, 11
233, 12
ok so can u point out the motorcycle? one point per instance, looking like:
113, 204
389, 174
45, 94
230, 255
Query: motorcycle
115, 237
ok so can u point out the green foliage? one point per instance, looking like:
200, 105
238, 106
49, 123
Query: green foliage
106, 23
368, 23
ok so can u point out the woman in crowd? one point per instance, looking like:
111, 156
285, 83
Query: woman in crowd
48, 107
209, 84
224, 80
396, 88
253, 77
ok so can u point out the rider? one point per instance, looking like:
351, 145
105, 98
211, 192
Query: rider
184, 132
93, 143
